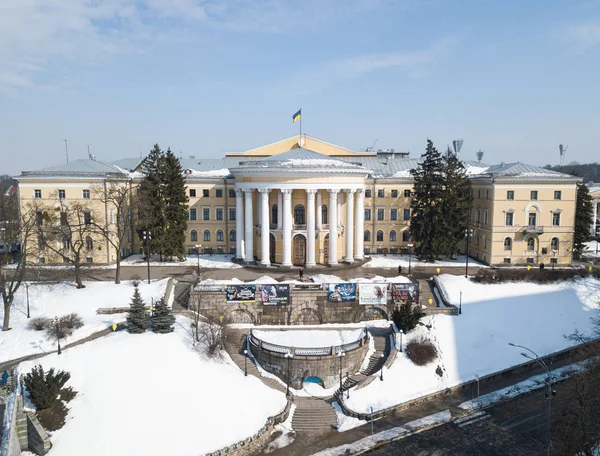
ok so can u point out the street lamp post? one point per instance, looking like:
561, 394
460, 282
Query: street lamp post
245, 363
550, 392
197, 247
289, 356
468, 234
460, 304
341, 354
381, 373
553, 258
147, 236
27, 289
401, 333
410, 246
57, 329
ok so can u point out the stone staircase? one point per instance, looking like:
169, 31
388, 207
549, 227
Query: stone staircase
382, 347
313, 415
426, 293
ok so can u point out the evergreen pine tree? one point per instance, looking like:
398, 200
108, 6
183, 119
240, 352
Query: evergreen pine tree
136, 317
176, 207
457, 203
151, 203
162, 320
584, 215
427, 219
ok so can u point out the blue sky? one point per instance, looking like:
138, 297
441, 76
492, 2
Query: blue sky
512, 78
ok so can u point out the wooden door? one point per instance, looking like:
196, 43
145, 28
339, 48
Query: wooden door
299, 246
326, 248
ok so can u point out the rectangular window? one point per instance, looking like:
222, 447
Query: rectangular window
367, 193
37, 194
61, 194
557, 194
231, 193
205, 193
478, 194
219, 214
89, 260
87, 218
407, 193
394, 193
532, 218
86, 194
556, 219
478, 219
381, 193
193, 213
232, 214
487, 194
192, 192
394, 214
506, 260
367, 214
534, 195
553, 260
219, 193
485, 219
205, 213
380, 214
406, 214
206, 236
529, 260
509, 219
510, 194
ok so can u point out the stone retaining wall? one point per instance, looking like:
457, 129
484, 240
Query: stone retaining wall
37, 437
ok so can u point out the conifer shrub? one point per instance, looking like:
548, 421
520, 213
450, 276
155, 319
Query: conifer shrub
137, 319
44, 387
421, 351
162, 321
406, 316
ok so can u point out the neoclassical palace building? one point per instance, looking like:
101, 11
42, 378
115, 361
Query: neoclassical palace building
303, 201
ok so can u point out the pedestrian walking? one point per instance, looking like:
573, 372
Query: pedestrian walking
399, 269
301, 273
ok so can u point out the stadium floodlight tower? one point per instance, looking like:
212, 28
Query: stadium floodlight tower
457, 145
563, 151
479, 155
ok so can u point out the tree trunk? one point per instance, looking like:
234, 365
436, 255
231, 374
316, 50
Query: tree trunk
78, 275
6, 323
118, 270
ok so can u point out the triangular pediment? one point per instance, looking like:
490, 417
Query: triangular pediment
307, 142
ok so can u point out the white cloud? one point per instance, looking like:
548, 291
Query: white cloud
584, 36
34, 33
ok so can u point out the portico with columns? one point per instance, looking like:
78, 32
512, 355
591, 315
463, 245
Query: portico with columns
298, 209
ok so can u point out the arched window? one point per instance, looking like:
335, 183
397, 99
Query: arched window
367, 236
232, 236
379, 236
89, 243
324, 214
405, 236
274, 218
66, 242
507, 243
531, 244
554, 243
299, 215
484, 241
206, 236
193, 236
219, 235
393, 236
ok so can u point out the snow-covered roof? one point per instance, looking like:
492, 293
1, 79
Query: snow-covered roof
80, 168
524, 172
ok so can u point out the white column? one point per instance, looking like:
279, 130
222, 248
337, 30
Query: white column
239, 224
279, 208
319, 211
310, 228
339, 209
259, 221
287, 227
249, 229
333, 223
265, 257
359, 234
349, 226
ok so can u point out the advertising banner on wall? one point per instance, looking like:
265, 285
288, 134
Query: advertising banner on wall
338, 292
372, 293
240, 293
401, 292
275, 294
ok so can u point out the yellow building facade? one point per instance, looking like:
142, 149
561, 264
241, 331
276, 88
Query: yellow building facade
303, 201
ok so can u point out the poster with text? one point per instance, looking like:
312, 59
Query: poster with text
275, 294
339, 292
240, 293
372, 293
402, 292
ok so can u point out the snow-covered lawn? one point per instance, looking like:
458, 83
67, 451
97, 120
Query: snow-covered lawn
155, 395
393, 261
51, 300
476, 342
206, 261
329, 278
592, 249
310, 338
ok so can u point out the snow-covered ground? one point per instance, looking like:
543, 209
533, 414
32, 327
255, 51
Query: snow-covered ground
206, 261
329, 278
309, 338
155, 395
393, 261
476, 342
592, 249
51, 300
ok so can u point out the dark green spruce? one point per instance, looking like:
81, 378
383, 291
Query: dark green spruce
176, 207
137, 319
162, 320
584, 215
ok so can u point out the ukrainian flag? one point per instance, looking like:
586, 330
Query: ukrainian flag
297, 116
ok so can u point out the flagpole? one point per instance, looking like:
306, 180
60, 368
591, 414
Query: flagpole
301, 128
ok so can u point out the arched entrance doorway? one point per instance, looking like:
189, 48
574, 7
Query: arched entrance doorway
326, 248
299, 249
371, 313
307, 316
272, 245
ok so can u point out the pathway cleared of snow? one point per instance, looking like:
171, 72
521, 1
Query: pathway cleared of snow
393, 261
206, 262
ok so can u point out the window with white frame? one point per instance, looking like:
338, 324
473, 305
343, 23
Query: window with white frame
367, 214
556, 219
85, 194
379, 236
393, 236
554, 243
193, 236
219, 214
531, 244
232, 214
367, 236
193, 213
393, 214
219, 235
206, 213
232, 235
405, 236
509, 218
406, 214
206, 236
507, 243
380, 214
37, 193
